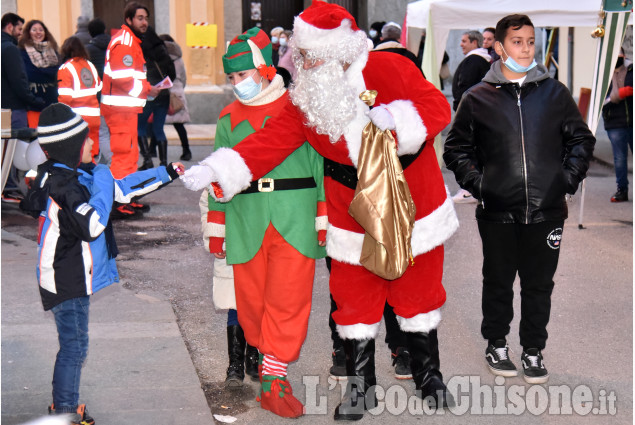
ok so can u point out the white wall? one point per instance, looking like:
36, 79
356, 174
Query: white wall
9, 6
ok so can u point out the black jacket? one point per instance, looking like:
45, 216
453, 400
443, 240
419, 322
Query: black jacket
15, 85
158, 62
470, 71
620, 115
96, 49
519, 150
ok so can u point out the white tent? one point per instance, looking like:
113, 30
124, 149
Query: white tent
438, 17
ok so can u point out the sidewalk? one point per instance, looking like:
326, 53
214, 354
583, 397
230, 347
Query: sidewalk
138, 366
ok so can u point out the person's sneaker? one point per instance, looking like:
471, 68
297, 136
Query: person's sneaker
12, 197
79, 417
497, 356
463, 197
401, 362
140, 207
338, 370
533, 366
125, 212
620, 196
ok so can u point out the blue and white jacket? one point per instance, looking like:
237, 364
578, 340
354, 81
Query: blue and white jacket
76, 244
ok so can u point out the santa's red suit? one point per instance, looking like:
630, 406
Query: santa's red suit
420, 112
326, 35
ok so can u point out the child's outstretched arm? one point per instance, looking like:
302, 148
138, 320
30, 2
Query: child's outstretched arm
143, 182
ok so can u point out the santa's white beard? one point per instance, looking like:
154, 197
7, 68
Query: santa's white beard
325, 97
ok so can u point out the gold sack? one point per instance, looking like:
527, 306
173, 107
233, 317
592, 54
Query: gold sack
383, 205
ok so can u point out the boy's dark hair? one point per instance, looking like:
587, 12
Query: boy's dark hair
11, 18
131, 10
73, 48
514, 22
96, 27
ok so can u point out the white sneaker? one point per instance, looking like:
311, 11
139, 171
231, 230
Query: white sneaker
463, 197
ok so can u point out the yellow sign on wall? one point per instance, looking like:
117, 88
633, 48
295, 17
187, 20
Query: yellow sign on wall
201, 35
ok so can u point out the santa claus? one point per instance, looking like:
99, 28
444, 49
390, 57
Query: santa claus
334, 67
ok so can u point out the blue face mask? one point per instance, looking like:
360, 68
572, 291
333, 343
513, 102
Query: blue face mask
274, 40
372, 33
514, 66
283, 42
248, 88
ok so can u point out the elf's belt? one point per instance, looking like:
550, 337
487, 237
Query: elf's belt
347, 174
266, 184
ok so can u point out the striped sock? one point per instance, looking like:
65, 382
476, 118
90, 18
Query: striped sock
272, 366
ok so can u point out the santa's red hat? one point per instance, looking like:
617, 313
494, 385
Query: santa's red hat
323, 24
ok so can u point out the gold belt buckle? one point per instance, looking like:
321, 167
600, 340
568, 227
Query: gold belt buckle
268, 188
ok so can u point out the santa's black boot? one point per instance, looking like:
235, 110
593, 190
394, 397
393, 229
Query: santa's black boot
236, 351
360, 387
425, 365
251, 363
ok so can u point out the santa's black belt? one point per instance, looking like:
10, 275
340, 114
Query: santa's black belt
266, 184
347, 174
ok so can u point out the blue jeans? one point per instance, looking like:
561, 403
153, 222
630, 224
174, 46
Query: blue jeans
71, 318
158, 120
621, 139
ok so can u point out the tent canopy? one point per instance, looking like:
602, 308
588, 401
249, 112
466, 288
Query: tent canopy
438, 17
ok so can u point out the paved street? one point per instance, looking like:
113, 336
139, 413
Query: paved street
158, 347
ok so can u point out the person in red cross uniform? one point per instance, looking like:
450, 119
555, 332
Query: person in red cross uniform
124, 94
77, 86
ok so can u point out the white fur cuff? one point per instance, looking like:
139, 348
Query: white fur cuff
424, 322
411, 132
231, 171
358, 331
213, 230
321, 222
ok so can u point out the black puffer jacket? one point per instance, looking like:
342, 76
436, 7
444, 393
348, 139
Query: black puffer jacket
519, 150
96, 49
158, 63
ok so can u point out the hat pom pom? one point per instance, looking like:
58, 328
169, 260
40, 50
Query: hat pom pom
267, 72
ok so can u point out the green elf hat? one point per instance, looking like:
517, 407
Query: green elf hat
251, 49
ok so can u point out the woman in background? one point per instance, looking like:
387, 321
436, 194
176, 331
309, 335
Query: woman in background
178, 118
41, 61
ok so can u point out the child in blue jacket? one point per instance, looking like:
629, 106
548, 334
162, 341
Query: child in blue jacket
76, 246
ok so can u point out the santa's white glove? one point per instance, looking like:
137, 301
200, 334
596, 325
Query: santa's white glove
382, 118
197, 177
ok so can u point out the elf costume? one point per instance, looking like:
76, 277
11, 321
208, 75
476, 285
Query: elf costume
271, 229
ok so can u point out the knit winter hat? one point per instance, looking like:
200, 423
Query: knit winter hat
251, 49
62, 133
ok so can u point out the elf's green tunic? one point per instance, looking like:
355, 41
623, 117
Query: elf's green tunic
292, 212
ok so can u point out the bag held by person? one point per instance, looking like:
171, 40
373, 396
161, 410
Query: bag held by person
383, 206
176, 104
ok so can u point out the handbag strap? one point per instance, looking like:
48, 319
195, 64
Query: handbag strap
159, 69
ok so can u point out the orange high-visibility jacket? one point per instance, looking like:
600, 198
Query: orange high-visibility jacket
78, 84
125, 84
